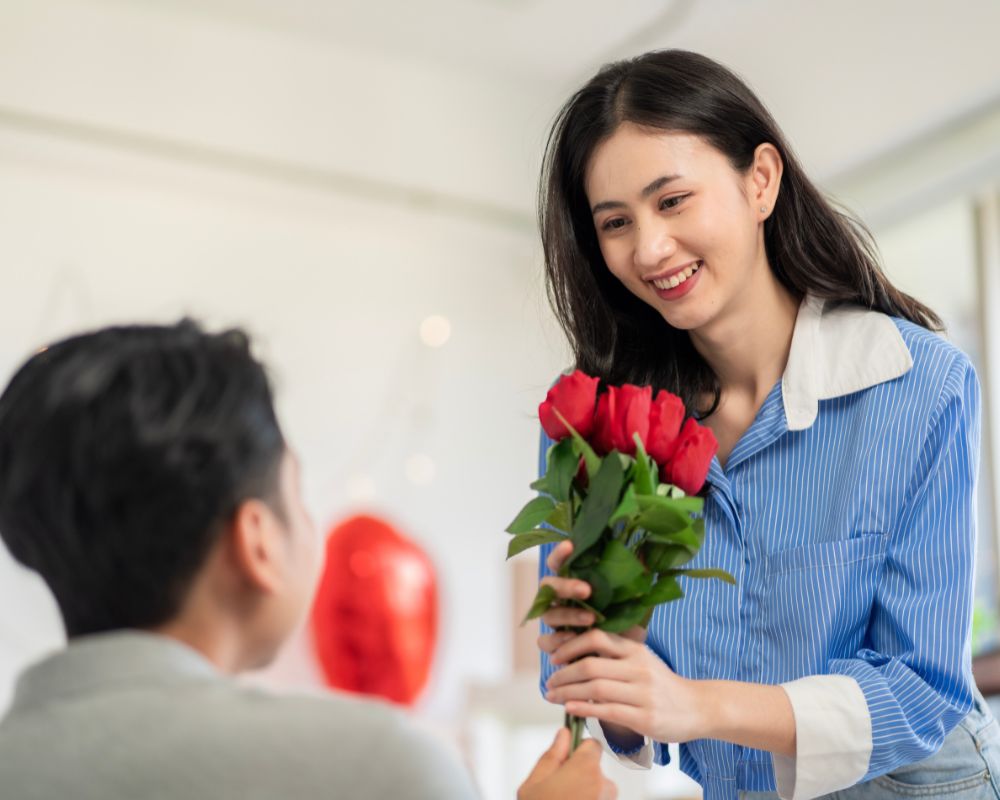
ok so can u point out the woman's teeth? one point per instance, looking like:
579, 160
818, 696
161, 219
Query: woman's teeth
676, 280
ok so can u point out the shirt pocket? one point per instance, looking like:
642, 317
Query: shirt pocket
817, 600
834, 555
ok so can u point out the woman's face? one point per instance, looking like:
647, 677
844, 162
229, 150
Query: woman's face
677, 225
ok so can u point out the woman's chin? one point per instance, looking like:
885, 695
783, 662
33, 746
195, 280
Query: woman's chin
690, 318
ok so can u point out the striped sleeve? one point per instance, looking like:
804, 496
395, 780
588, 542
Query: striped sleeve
543, 554
915, 669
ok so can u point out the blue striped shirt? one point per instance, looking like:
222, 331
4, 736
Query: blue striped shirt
846, 514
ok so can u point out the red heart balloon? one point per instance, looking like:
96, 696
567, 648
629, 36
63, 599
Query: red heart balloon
375, 616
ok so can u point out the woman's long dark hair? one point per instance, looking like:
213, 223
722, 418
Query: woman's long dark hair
810, 245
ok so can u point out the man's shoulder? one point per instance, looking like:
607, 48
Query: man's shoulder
367, 737
268, 741
333, 711
238, 709
200, 709
361, 733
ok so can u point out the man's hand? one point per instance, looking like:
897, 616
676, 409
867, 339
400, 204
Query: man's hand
558, 775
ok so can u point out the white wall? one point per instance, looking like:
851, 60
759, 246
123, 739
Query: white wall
145, 70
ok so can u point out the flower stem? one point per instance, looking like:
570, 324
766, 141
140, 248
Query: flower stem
575, 725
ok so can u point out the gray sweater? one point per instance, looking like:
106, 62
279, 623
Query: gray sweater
138, 716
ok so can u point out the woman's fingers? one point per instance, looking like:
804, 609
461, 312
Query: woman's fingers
568, 588
589, 669
558, 554
601, 690
593, 642
622, 682
636, 633
550, 642
628, 716
568, 617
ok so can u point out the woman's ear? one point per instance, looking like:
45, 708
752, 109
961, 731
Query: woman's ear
765, 179
257, 542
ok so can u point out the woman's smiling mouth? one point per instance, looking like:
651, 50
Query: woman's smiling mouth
676, 278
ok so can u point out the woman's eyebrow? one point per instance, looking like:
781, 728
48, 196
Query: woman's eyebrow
658, 184
654, 186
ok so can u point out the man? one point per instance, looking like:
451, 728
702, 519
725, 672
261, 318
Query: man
144, 475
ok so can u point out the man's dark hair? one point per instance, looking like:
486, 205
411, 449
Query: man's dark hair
123, 454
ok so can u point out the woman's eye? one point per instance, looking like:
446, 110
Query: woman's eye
672, 202
613, 224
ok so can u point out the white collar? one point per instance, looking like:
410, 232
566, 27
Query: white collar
837, 351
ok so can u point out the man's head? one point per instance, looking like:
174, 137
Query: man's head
142, 470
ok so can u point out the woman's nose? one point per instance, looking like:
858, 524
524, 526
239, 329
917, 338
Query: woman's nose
653, 244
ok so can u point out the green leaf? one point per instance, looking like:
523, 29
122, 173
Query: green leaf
543, 600
561, 469
584, 561
686, 505
559, 518
663, 557
600, 589
664, 590
627, 508
721, 574
582, 448
685, 538
523, 541
598, 616
532, 515
662, 519
635, 589
596, 510
618, 564
645, 473
621, 617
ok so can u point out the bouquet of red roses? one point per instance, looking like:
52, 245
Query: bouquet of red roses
620, 483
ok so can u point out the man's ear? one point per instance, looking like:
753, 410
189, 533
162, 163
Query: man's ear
258, 546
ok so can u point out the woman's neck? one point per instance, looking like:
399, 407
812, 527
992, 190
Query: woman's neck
747, 344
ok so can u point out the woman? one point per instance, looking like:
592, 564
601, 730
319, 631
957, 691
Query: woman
685, 248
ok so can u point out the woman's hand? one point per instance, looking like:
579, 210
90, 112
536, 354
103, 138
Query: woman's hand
623, 683
569, 616
618, 680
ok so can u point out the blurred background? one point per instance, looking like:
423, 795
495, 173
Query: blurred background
354, 183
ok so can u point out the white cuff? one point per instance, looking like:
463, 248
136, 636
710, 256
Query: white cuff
643, 759
833, 737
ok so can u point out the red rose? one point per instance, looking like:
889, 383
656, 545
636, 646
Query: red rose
621, 412
574, 396
601, 441
692, 457
665, 420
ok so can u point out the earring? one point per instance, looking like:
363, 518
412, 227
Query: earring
763, 209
